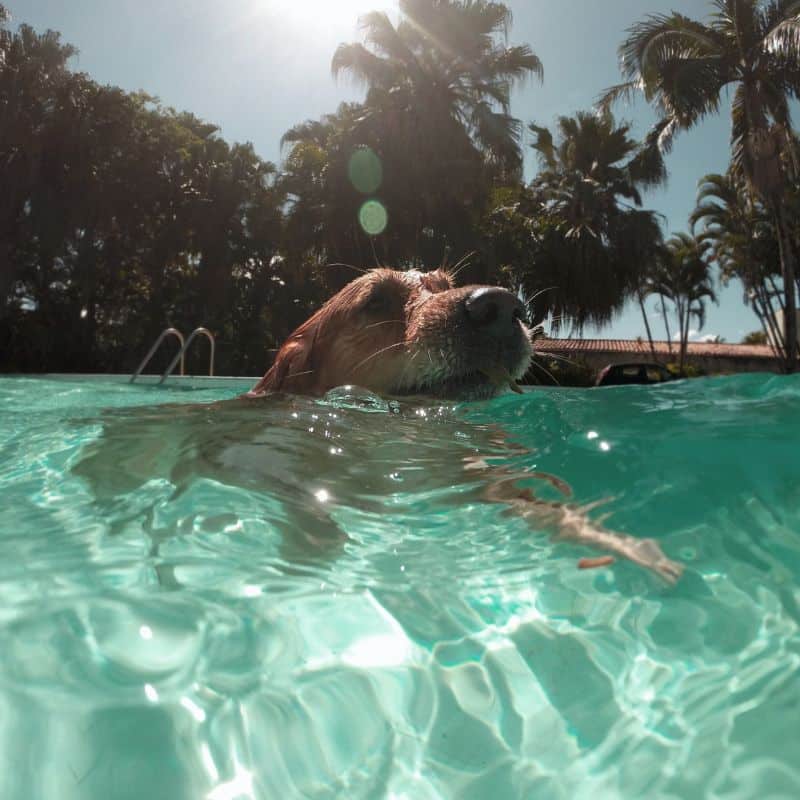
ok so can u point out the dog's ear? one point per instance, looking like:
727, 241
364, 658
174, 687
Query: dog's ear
292, 370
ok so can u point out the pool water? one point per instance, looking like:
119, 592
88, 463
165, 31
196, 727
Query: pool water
314, 599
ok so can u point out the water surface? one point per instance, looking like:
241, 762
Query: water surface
312, 599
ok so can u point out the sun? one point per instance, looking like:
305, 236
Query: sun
302, 29
336, 13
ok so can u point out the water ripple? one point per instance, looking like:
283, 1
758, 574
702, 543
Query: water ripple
314, 598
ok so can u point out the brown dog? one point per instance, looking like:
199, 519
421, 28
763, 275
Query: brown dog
412, 333
394, 333
407, 333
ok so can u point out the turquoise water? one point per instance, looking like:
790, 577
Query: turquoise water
305, 599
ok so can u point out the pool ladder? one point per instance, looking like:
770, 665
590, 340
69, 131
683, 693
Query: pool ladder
181, 353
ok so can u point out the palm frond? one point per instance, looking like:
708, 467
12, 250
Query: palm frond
543, 144
381, 34
513, 63
781, 22
626, 92
647, 167
364, 66
659, 37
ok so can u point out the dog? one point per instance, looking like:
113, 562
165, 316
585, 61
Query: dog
407, 334
411, 336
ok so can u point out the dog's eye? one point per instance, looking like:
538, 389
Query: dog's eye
377, 303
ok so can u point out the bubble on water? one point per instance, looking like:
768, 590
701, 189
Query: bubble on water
358, 398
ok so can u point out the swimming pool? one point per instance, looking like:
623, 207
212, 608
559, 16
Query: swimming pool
307, 599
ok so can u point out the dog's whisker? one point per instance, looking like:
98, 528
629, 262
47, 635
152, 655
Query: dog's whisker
298, 374
557, 357
349, 266
401, 381
377, 353
546, 372
460, 265
384, 322
374, 252
528, 301
542, 291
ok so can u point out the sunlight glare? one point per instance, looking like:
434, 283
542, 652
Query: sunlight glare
316, 13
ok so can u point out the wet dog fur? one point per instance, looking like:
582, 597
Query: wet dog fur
412, 333
402, 334
406, 333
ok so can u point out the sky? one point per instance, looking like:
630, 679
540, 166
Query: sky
257, 67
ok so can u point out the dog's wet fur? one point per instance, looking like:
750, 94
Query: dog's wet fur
407, 333
395, 334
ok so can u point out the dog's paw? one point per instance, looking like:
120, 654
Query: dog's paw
649, 554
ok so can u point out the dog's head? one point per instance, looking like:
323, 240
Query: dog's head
403, 333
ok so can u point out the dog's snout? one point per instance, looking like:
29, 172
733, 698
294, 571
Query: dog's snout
493, 308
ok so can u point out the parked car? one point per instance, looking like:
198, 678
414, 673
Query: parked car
636, 372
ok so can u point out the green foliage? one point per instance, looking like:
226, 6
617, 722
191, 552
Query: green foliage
120, 217
743, 240
749, 49
688, 370
755, 337
590, 245
437, 116
682, 275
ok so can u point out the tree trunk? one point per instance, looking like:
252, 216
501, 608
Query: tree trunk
646, 324
687, 326
789, 290
775, 291
7, 277
666, 323
766, 314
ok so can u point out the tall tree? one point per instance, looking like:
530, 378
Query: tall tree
684, 277
594, 238
744, 243
34, 82
448, 66
118, 218
683, 67
437, 113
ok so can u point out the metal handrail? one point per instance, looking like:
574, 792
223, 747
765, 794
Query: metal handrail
166, 332
210, 336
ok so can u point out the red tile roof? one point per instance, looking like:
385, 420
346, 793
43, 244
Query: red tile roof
642, 348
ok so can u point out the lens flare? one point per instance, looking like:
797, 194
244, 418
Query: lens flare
365, 170
373, 217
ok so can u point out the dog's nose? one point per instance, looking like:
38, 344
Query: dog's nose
493, 308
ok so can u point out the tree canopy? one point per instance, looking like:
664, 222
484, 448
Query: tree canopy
751, 48
120, 217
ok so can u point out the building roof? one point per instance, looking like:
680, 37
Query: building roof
642, 348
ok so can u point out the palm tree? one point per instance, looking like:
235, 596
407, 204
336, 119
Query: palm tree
683, 67
684, 278
594, 238
436, 115
744, 244
444, 69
